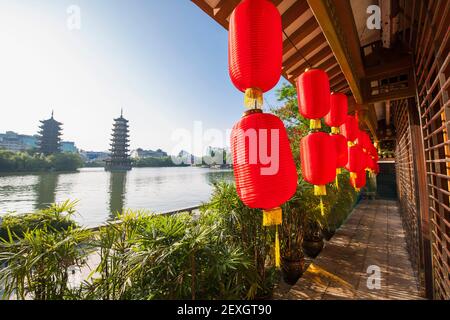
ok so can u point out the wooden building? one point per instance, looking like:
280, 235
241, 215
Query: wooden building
397, 80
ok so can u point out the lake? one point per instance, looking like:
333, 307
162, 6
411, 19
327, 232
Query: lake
102, 194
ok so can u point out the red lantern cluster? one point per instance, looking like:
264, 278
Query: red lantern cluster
255, 49
358, 180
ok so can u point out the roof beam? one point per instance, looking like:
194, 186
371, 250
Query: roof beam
319, 56
304, 51
293, 12
340, 32
305, 29
224, 8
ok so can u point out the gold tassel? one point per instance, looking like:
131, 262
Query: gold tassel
274, 217
350, 144
277, 248
320, 190
337, 182
322, 208
335, 130
315, 124
253, 98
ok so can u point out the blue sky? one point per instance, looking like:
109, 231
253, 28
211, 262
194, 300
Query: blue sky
164, 62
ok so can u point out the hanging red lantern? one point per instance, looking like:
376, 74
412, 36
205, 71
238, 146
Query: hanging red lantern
338, 111
340, 144
255, 49
358, 180
318, 160
350, 128
356, 159
313, 92
341, 147
264, 168
377, 168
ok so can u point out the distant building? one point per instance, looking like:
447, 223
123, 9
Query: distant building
140, 153
120, 158
49, 141
68, 146
13, 141
94, 156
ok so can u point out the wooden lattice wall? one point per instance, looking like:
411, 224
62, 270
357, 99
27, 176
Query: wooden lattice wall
406, 184
432, 69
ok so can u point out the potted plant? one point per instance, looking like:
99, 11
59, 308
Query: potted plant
313, 240
292, 256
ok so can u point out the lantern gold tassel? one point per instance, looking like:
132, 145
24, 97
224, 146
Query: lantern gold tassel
253, 98
335, 130
322, 208
338, 172
320, 190
274, 217
315, 124
353, 177
277, 248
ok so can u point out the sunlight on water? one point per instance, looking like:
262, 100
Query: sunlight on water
101, 194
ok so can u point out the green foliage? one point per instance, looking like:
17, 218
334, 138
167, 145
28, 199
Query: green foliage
33, 162
57, 216
36, 257
155, 162
242, 227
65, 161
144, 256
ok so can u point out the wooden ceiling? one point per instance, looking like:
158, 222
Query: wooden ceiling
303, 32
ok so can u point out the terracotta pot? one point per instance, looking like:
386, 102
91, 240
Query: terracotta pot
292, 269
312, 247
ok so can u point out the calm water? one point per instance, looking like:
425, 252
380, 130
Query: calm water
101, 194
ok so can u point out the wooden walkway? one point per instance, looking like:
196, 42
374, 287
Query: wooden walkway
366, 259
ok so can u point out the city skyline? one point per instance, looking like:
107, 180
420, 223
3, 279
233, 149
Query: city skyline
119, 58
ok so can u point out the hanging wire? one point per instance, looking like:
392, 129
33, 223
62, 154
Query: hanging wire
295, 47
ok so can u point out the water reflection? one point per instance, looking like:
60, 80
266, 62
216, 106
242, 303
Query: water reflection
46, 190
117, 189
213, 177
102, 194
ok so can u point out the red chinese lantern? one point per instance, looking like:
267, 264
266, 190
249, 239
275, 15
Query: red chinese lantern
318, 158
350, 128
364, 141
255, 49
358, 180
377, 168
356, 159
338, 111
264, 168
313, 92
340, 144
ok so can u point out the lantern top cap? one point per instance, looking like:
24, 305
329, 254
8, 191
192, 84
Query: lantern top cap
251, 111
